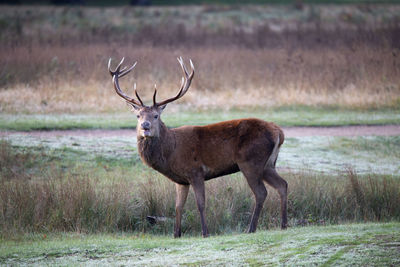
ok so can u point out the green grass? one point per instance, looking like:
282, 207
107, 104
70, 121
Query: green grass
109, 189
284, 116
71, 201
224, 2
381, 146
344, 245
364, 154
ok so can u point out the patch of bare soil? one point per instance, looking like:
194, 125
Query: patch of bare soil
359, 130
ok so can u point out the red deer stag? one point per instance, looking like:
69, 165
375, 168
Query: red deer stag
191, 155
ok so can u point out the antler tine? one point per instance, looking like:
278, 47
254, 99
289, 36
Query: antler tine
188, 77
118, 73
182, 83
121, 73
185, 84
120, 63
191, 64
117, 69
155, 95
109, 66
180, 60
137, 95
125, 72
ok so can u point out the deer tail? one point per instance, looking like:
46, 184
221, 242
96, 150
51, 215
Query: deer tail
274, 155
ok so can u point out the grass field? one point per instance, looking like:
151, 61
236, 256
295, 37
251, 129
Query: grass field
333, 155
204, 2
73, 200
344, 245
293, 116
332, 180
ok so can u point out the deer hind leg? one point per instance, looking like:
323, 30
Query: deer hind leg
199, 193
181, 196
277, 182
254, 179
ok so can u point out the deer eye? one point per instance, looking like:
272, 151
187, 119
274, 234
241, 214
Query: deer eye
155, 116
138, 116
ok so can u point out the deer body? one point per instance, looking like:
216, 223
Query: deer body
191, 155
208, 151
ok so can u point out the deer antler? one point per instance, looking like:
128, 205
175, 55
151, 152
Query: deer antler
185, 84
118, 73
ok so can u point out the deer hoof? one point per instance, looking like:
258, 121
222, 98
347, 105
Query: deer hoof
177, 235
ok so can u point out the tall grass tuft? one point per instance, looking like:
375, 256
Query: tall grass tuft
77, 201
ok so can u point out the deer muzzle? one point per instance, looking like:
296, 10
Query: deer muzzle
146, 128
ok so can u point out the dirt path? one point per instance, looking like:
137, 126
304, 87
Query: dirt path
382, 130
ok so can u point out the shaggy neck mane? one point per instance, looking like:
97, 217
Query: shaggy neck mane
155, 151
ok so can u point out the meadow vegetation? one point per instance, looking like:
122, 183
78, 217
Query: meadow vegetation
47, 191
367, 244
310, 65
291, 116
53, 59
105, 3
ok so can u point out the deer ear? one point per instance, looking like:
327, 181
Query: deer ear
161, 108
134, 107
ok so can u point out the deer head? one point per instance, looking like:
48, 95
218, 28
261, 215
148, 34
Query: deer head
149, 116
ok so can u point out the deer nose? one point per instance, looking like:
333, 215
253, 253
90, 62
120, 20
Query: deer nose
146, 125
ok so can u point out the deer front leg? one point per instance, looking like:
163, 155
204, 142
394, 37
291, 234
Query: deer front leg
199, 192
181, 195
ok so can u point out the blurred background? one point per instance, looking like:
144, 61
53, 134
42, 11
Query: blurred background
257, 54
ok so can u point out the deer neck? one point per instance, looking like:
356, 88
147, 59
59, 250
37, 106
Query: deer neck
155, 151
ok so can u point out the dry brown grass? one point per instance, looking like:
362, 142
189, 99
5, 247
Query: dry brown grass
75, 79
54, 59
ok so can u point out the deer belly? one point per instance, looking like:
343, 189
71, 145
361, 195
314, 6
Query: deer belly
214, 173
175, 177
